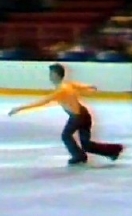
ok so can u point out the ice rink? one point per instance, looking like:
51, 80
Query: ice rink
34, 177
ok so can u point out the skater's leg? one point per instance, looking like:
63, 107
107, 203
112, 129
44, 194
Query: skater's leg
67, 137
108, 150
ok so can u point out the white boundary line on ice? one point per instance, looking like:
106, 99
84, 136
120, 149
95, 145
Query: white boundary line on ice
26, 147
42, 165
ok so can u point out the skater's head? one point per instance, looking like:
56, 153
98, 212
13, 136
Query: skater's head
57, 73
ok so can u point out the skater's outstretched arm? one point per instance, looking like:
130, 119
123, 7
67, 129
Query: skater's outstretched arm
57, 95
83, 88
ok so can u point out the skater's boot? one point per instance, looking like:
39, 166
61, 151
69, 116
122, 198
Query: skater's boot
77, 160
118, 152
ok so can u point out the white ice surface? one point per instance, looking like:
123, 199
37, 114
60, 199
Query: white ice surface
34, 177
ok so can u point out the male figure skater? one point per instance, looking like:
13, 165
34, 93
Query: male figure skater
66, 94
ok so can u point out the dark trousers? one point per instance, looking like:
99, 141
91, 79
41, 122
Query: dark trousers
82, 123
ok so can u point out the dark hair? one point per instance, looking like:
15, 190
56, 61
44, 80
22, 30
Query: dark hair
58, 69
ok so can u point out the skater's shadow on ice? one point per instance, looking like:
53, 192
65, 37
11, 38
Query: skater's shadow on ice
72, 171
57, 173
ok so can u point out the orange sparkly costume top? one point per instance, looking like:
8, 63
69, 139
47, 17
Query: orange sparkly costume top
66, 95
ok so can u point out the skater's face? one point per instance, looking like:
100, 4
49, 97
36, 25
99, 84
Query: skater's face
54, 78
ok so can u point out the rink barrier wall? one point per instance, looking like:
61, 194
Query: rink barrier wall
40, 93
32, 78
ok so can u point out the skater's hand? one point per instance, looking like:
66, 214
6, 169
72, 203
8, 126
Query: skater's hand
14, 111
92, 89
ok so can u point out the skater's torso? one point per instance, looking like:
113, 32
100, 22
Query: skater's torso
68, 99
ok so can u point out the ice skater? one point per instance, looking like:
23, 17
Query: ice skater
67, 95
